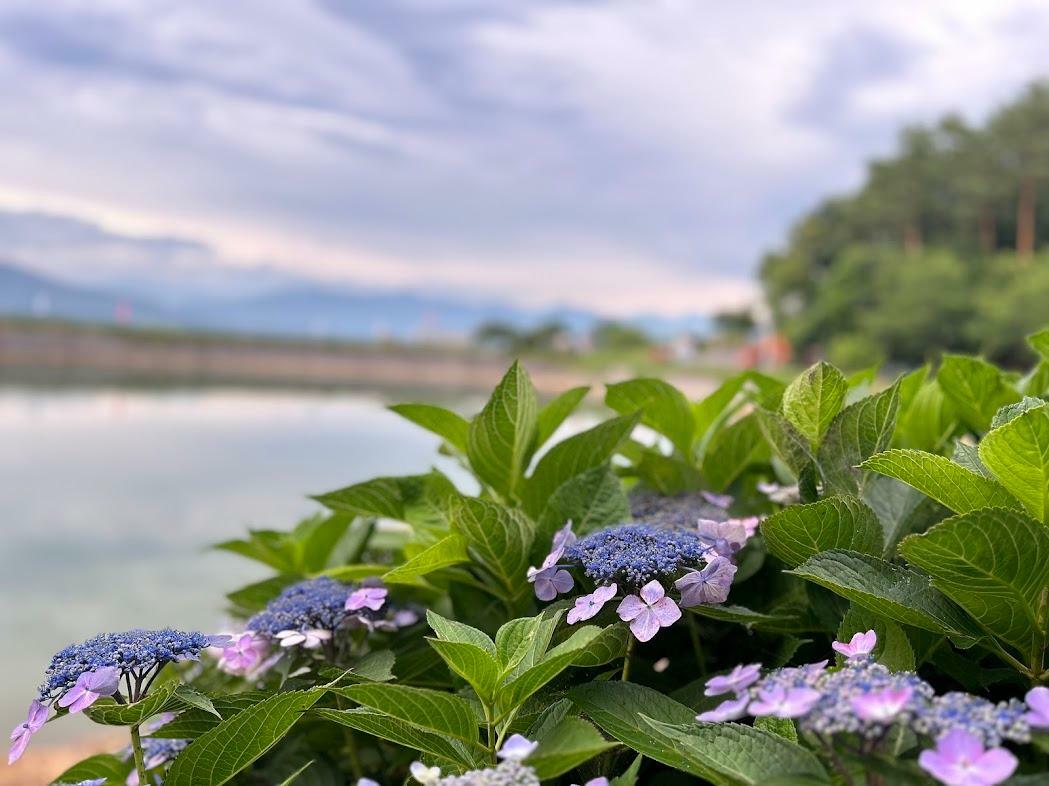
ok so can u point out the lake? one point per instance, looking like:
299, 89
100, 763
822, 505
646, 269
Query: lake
110, 498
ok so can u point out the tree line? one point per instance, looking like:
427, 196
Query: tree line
938, 250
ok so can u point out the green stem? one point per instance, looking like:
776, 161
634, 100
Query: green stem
490, 727
626, 658
140, 759
351, 743
697, 644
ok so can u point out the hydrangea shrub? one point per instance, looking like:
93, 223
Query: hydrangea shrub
837, 580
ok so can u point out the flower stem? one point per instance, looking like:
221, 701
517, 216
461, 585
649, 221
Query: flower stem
626, 659
697, 644
140, 759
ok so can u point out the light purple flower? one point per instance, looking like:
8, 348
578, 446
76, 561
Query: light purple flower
550, 579
859, 646
367, 782
589, 605
750, 525
36, 716
517, 748
367, 597
781, 495
244, 654
723, 501
563, 538
602, 781
220, 641
784, 702
425, 775
737, 680
710, 585
405, 618
309, 639
881, 706
90, 687
649, 612
1038, 700
959, 759
724, 538
728, 710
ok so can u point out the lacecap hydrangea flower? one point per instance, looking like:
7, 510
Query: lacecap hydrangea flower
308, 614
863, 700
511, 770
642, 563
121, 665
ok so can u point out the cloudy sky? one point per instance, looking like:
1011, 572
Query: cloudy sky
623, 156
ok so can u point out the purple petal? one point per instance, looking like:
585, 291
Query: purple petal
1038, 700
860, 645
995, 766
710, 585
737, 680
220, 641
666, 611
517, 748
728, 710
723, 501
104, 681
630, 607
602, 781
960, 744
652, 592
645, 625
72, 695
588, 606
562, 581
36, 716
19, 741
83, 701
563, 538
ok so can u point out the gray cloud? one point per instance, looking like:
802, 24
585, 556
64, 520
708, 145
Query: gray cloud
481, 145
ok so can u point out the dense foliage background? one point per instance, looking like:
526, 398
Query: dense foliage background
937, 251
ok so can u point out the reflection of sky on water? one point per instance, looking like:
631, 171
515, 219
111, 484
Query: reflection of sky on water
109, 498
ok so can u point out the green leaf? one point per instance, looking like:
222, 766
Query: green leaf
617, 708
376, 666
732, 450
447, 551
890, 590
231, 746
994, 563
590, 500
555, 413
451, 630
195, 699
741, 614
1039, 342
513, 640
786, 441
1018, 454
501, 434
160, 699
950, 484
812, 400
663, 408
574, 456
192, 723
858, 432
384, 727
713, 408
784, 727
419, 500
930, 420
609, 645
474, 664
1012, 411
549, 666
498, 538
798, 532
565, 746
448, 425
430, 710
742, 754
629, 777
976, 388
113, 768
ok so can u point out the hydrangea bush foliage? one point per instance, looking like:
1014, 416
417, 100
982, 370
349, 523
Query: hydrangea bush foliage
833, 580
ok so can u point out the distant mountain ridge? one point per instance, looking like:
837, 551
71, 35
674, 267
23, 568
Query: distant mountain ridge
306, 309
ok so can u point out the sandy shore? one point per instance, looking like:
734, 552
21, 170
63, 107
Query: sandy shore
42, 764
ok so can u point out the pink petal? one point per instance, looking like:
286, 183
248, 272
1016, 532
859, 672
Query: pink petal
604, 594
645, 625
995, 766
630, 607
652, 592
18, 747
957, 744
1038, 700
666, 612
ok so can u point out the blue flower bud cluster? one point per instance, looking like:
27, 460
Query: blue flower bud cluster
993, 723
133, 652
508, 773
631, 555
681, 510
314, 604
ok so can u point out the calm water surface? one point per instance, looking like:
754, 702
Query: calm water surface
109, 499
